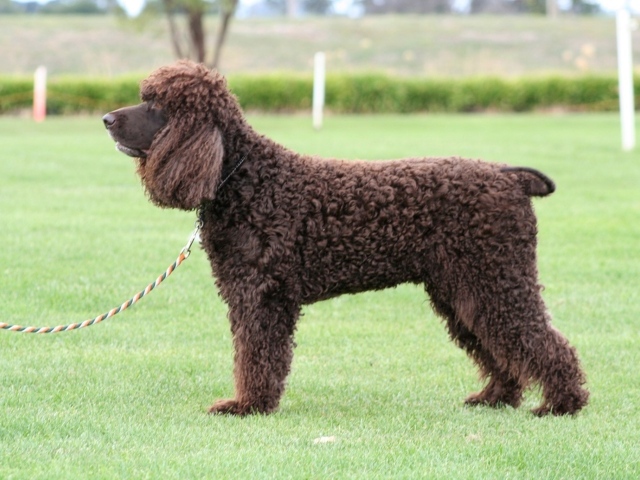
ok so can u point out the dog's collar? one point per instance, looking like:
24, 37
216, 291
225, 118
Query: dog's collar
233, 170
200, 210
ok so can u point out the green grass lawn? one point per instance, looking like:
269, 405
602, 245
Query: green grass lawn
127, 398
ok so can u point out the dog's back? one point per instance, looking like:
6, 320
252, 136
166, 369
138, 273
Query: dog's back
371, 225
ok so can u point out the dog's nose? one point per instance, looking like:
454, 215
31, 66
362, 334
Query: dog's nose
109, 119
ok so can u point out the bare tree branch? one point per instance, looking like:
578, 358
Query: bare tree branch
190, 41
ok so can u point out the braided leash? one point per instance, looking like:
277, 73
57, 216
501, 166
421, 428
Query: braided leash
184, 254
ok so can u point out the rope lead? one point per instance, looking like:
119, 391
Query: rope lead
184, 254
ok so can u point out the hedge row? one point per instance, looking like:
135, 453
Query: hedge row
345, 93
69, 95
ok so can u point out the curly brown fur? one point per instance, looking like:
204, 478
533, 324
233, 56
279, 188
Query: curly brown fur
288, 230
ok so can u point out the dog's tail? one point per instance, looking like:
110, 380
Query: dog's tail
533, 182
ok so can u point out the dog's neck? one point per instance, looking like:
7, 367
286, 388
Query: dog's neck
225, 179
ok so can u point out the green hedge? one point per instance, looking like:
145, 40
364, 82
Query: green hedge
77, 94
345, 93
15, 93
69, 95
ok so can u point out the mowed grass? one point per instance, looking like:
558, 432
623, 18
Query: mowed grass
375, 372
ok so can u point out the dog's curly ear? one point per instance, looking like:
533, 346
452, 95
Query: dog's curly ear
183, 172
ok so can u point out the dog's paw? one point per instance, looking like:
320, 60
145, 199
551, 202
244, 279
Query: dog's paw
476, 399
234, 407
496, 396
481, 398
570, 404
542, 411
557, 410
229, 407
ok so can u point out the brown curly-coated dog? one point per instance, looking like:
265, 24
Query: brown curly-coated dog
282, 230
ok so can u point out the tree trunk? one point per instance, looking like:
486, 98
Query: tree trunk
226, 13
196, 31
195, 37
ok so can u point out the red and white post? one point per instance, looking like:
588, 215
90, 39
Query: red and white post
40, 94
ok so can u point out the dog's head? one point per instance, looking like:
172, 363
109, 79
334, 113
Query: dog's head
176, 133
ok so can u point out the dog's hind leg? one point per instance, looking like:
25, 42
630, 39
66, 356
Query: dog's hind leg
518, 333
263, 341
558, 370
502, 389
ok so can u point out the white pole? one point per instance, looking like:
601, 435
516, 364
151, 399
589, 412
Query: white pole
40, 94
318, 88
625, 79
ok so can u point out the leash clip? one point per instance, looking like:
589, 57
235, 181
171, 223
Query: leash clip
186, 250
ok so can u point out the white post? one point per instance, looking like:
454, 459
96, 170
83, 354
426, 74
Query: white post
40, 94
318, 88
625, 79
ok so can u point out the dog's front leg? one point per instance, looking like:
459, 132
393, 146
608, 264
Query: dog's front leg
263, 341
